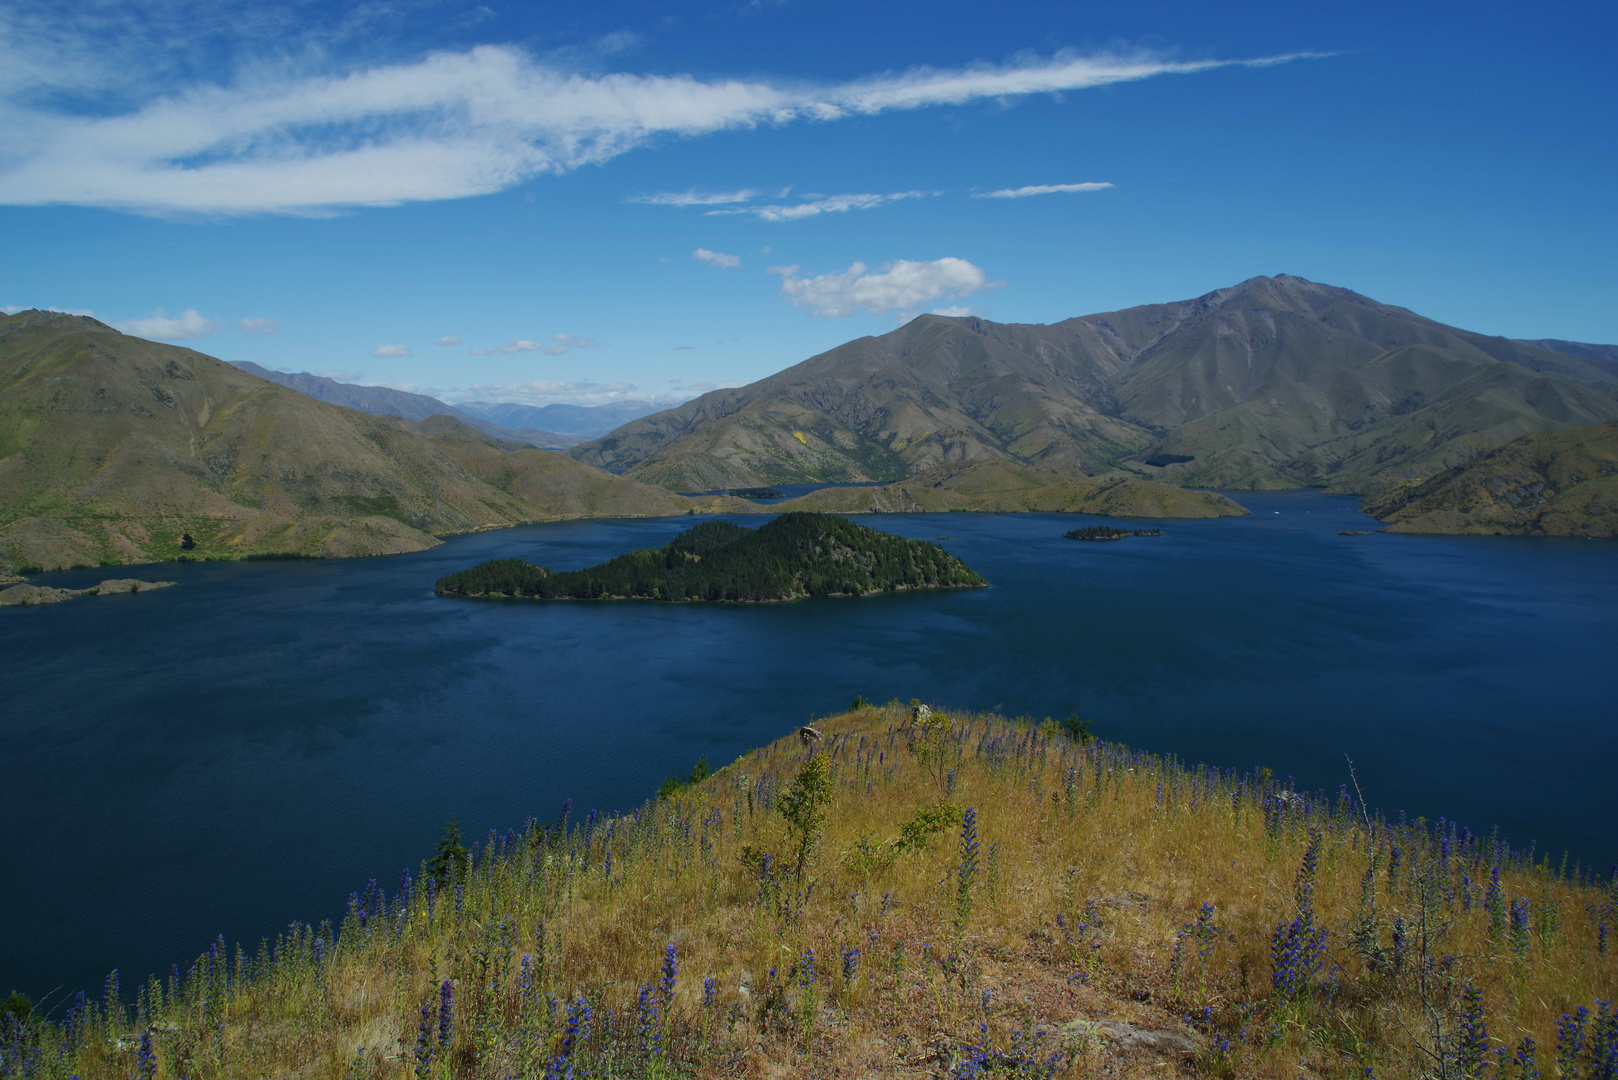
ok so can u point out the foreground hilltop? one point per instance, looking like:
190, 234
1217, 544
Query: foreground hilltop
902, 893
115, 449
1273, 383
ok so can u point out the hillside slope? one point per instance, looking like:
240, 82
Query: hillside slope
1273, 383
115, 449
1562, 483
1005, 488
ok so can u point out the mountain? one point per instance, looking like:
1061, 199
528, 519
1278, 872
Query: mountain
1273, 383
384, 401
583, 421
1558, 483
1603, 356
1002, 487
114, 449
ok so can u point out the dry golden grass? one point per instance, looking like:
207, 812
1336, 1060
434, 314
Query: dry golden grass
1079, 942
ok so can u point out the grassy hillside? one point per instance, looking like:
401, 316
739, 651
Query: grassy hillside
961, 895
1272, 383
115, 450
1561, 483
1004, 488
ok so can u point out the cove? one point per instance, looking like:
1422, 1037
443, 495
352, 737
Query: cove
249, 747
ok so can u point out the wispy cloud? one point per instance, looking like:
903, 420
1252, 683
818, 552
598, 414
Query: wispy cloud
390, 350
263, 327
160, 327
449, 340
694, 198
900, 285
559, 344
831, 204
451, 125
717, 258
1042, 189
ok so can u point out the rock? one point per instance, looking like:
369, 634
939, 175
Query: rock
33, 595
113, 586
1128, 1037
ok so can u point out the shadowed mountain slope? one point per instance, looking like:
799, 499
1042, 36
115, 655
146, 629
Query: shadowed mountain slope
1559, 483
1273, 383
115, 449
384, 401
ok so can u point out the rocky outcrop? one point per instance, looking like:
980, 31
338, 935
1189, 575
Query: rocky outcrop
36, 595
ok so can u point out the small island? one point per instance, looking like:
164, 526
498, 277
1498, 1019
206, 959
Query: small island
757, 493
796, 555
1107, 532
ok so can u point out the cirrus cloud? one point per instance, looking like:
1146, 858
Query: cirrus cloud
390, 350
1043, 189
900, 285
830, 204
451, 125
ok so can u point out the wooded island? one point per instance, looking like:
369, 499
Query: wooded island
794, 556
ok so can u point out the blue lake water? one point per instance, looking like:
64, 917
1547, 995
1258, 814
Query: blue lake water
248, 748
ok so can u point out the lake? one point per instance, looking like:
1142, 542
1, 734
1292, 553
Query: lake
249, 747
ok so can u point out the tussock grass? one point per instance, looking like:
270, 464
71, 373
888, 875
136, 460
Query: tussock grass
954, 895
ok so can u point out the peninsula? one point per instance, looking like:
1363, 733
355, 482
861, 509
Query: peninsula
794, 556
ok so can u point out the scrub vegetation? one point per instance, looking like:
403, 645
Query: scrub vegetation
912, 894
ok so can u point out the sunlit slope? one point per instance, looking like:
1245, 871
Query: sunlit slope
113, 449
1273, 383
1006, 488
1562, 483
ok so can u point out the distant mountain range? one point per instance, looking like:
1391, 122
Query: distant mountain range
1273, 383
584, 421
114, 449
382, 401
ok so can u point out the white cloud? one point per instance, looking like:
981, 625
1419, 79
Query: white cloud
831, 204
559, 344
451, 125
1042, 189
717, 258
260, 326
547, 392
160, 327
955, 311
694, 198
11, 309
900, 285
390, 350
449, 341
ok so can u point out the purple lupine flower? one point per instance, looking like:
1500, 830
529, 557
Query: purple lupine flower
851, 964
1519, 927
709, 989
1472, 1051
146, 1058
1570, 1040
446, 1015
650, 1027
424, 1038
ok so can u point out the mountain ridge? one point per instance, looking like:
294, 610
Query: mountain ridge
114, 449
1271, 383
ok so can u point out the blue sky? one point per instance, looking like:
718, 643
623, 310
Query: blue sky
584, 202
